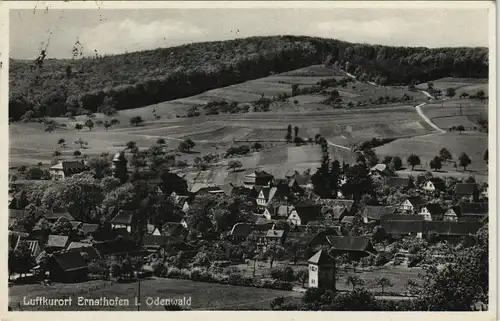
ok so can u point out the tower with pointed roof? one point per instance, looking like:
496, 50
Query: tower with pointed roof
321, 270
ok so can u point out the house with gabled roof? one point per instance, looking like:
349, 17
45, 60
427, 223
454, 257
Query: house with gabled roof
467, 191
320, 237
349, 244
412, 204
472, 211
123, 220
258, 178
372, 214
452, 214
434, 184
266, 195
303, 214
432, 212
278, 211
154, 243
104, 235
241, 231
68, 266
65, 169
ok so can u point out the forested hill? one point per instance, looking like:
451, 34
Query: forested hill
50, 87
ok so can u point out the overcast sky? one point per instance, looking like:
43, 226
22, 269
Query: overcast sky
118, 31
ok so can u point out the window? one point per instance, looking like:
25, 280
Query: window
313, 281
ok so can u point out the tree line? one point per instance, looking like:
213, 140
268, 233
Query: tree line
50, 87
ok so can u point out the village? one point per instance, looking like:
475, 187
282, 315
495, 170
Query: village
168, 227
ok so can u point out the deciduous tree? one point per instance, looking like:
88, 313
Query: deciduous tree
464, 160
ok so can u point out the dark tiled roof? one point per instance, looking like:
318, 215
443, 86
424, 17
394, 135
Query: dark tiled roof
397, 182
440, 227
70, 261
155, 240
401, 217
376, 212
473, 208
465, 189
56, 216
308, 213
124, 217
351, 244
321, 257
116, 247
110, 235
438, 183
403, 227
263, 174
57, 241
416, 201
241, 229
452, 228
18, 214
269, 192
70, 165
263, 225
436, 210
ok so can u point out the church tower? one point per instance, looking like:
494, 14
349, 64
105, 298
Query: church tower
321, 271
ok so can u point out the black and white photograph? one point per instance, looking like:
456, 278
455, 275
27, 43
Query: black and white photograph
250, 157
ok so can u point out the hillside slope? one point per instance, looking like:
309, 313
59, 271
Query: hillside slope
60, 87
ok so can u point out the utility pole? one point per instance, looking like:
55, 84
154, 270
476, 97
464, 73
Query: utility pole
138, 292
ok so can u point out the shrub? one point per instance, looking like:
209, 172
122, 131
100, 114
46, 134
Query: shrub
173, 273
383, 258
283, 274
235, 279
414, 260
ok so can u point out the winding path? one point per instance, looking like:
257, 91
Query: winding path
418, 108
427, 120
339, 146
